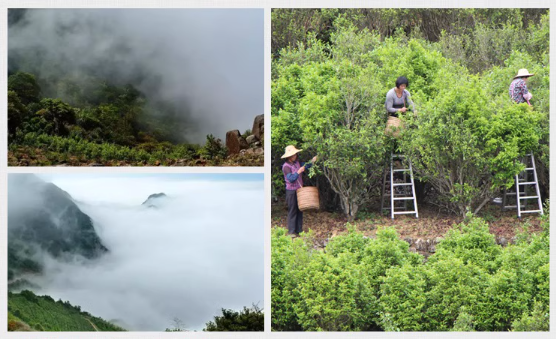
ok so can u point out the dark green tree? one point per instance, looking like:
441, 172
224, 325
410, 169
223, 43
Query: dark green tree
26, 87
58, 116
249, 319
17, 112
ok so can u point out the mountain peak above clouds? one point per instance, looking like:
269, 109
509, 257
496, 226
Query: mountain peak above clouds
154, 200
43, 218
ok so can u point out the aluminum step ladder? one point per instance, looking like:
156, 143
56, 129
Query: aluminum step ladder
526, 189
400, 191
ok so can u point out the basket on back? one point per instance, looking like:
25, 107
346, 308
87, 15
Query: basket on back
393, 126
308, 198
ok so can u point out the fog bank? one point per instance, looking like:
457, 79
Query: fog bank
201, 251
208, 63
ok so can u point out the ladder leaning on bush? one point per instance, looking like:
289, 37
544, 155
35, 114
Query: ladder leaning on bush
521, 184
399, 191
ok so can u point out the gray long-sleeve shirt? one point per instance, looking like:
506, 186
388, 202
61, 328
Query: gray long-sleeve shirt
393, 100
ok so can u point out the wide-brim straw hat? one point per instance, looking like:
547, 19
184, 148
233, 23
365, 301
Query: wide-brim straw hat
523, 73
291, 150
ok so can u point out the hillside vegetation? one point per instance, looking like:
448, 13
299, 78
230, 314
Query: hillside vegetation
30, 312
104, 125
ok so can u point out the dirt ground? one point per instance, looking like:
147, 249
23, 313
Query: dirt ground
430, 224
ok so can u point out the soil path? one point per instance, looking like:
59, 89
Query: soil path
431, 223
90, 322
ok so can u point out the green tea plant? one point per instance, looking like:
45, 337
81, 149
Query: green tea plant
355, 284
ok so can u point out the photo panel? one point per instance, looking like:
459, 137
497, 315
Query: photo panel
135, 87
410, 169
135, 252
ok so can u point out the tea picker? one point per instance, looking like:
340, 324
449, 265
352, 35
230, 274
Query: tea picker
526, 187
518, 91
298, 198
398, 189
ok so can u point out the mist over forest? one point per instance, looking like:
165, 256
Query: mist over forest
206, 64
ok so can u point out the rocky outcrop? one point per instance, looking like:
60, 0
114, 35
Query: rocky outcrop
247, 145
258, 127
251, 139
235, 142
254, 151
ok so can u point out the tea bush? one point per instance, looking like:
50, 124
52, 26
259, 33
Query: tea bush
362, 284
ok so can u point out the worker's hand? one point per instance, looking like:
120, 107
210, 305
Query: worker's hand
301, 170
314, 159
403, 109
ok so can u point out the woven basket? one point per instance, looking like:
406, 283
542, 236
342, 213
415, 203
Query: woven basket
308, 198
393, 127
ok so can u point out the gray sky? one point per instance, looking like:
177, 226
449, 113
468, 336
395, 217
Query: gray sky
210, 62
200, 252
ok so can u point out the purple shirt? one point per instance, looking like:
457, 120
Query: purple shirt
518, 88
293, 180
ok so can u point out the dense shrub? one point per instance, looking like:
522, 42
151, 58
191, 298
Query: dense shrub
213, 148
341, 299
63, 148
356, 283
288, 262
248, 319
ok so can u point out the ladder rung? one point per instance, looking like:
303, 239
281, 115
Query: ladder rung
528, 183
401, 170
531, 211
510, 193
510, 206
405, 212
404, 184
404, 198
529, 168
530, 197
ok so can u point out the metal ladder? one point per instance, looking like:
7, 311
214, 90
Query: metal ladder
521, 184
399, 191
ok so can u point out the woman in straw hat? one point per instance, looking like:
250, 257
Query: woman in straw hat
293, 170
518, 87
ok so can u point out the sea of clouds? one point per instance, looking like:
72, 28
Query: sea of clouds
199, 251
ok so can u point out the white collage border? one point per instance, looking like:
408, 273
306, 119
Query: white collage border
267, 5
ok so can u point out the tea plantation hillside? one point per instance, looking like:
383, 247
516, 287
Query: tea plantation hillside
30, 312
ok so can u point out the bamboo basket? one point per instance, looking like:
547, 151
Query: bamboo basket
393, 127
308, 198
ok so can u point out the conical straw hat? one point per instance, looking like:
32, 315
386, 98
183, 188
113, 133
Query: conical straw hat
523, 73
291, 150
